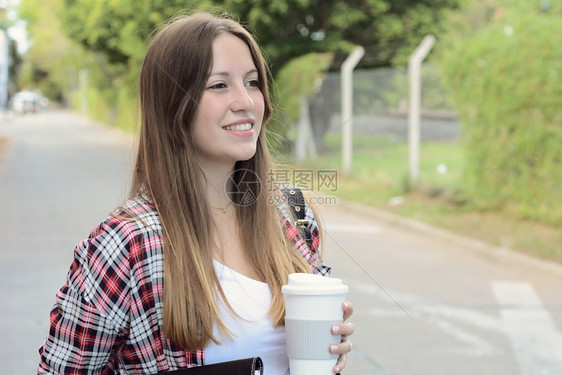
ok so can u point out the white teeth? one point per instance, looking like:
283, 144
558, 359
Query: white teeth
246, 126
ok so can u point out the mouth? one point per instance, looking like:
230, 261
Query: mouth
239, 127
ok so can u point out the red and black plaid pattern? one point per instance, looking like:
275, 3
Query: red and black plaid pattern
312, 254
108, 316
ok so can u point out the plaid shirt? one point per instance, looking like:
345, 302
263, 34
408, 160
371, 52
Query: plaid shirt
108, 317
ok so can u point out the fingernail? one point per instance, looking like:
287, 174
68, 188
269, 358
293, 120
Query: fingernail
337, 370
336, 329
334, 348
345, 305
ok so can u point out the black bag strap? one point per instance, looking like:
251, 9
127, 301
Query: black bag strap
248, 366
295, 198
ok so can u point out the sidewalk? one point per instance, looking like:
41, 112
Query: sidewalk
497, 254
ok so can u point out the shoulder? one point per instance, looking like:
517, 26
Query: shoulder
139, 213
123, 246
127, 226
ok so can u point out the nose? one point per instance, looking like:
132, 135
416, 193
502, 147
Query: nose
242, 99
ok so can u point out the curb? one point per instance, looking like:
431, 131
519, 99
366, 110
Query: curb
520, 261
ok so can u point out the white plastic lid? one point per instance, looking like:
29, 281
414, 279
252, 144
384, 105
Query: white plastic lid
308, 283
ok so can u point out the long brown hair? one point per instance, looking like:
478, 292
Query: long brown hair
173, 76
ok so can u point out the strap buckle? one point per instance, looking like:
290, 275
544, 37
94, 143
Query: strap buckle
303, 223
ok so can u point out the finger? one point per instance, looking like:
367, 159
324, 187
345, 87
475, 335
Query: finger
343, 347
345, 329
347, 310
342, 361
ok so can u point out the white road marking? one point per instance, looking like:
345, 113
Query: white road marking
439, 315
535, 337
536, 340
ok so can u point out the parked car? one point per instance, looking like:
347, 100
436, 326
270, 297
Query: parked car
26, 102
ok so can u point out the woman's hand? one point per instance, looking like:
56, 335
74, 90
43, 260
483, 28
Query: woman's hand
345, 330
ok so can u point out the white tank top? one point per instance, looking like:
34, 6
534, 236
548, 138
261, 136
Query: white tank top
254, 336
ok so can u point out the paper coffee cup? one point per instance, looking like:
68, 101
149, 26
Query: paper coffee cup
313, 303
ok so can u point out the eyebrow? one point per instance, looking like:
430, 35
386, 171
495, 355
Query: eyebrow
226, 74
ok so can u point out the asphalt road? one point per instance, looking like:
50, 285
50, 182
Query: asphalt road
59, 176
424, 303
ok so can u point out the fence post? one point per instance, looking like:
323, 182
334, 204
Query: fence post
414, 113
347, 105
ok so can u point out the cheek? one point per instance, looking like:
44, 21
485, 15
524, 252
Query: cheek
211, 111
201, 127
260, 106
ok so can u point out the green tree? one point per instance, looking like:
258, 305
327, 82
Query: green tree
387, 29
114, 34
286, 29
55, 60
504, 77
301, 75
119, 29
50, 63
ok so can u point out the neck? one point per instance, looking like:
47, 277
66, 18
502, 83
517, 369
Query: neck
218, 184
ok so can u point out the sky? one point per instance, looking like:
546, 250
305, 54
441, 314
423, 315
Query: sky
17, 31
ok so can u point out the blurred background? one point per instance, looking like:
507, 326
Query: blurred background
489, 165
490, 107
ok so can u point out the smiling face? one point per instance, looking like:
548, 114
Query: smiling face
231, 110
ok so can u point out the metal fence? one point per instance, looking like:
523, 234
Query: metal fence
380, 106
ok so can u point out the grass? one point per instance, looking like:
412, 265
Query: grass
379, 178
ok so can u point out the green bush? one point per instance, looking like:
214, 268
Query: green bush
301, 75
505, 80
127, 110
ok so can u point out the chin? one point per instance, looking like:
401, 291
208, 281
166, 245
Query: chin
247, 156
245, 152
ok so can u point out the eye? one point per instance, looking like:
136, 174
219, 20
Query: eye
253, 83
218, 86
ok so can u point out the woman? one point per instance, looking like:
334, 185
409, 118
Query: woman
189, 270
